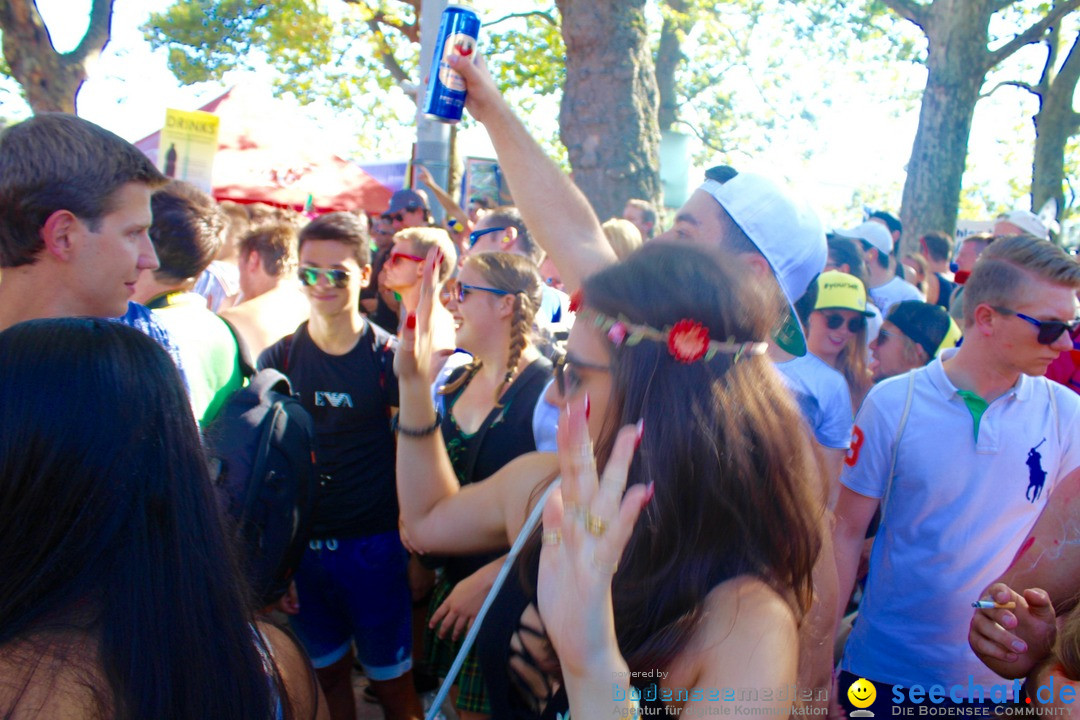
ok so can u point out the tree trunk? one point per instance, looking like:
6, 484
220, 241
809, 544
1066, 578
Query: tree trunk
1055, 123
668, 56
50, 80
956, 68
608, 116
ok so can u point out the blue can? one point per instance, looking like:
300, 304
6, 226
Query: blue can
458, 33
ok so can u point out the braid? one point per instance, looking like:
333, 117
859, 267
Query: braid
471, 369
519, 331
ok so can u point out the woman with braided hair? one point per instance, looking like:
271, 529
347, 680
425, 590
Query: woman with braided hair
487, 422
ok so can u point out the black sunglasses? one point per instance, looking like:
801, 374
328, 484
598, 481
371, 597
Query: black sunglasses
834, 320
567, 377
477, 234
1049, 330
309, 276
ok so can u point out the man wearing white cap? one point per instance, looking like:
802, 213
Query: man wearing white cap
1020, 222
885, 287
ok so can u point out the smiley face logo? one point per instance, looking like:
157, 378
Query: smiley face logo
862, 693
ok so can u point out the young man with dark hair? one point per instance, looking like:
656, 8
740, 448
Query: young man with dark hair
187, 231
937, 248
352, 582
961, 456
885, 287
408, 208
914, 334
74, 216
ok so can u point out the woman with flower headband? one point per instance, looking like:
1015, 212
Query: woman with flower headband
487, 421
704, 592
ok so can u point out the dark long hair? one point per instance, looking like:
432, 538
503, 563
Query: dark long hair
735, 478
108, 529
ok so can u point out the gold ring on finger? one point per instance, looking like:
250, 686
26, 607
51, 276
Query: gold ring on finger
595, 525
551, 537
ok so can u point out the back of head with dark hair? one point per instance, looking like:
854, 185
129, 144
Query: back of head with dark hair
343, 227
275, 245
890, 220
938, 244
55, 161
102, 475
731, 468
510, 216
187, 230
845, 251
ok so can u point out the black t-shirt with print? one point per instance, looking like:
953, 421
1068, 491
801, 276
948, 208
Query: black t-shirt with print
349, 397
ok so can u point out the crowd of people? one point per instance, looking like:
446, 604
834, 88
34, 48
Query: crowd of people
692, 468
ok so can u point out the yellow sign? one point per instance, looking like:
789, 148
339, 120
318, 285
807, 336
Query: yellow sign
188, 144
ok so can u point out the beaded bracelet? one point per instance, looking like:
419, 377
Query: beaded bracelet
413, 432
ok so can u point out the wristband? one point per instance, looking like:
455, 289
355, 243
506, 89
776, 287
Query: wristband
416, 432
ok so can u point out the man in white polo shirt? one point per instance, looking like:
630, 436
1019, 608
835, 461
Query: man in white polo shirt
961, 456
884, 286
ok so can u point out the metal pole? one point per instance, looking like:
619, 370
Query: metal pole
432, 137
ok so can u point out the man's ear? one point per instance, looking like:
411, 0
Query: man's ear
60, 233
758, 264
509, 237
985, 317
253, 262
365, 275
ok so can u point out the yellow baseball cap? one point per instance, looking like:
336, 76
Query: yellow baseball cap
840, 291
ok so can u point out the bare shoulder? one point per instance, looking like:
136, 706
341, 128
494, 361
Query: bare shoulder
748, 631
305, 696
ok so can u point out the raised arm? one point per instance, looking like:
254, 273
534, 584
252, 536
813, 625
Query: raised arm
554, 209
439, 515
452, 208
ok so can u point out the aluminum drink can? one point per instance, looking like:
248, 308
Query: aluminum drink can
458, 33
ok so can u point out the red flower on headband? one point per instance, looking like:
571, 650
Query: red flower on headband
575, 300
688, 341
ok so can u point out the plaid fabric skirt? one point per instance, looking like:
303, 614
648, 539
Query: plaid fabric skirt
440, 654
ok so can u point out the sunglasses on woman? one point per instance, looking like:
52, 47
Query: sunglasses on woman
567, 377
309, 275
833, 321
463, 290
1049, 330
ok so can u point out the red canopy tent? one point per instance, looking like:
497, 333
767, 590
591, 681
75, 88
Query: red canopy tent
269, 153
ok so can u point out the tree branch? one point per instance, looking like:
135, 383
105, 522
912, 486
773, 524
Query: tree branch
707, 143
909, 10
1032, 34
1013, 83
97, 34
1070, 69
386, 55
543, 14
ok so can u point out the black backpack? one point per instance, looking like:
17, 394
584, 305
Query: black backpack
261, 450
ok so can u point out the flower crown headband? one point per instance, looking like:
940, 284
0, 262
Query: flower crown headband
687, 340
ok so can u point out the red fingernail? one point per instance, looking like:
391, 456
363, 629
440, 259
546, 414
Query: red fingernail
639, 433
650, 490
410, 321
438, 257
588, 406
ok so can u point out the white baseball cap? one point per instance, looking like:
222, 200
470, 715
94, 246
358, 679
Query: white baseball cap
872, 232
1027, 221
786, 231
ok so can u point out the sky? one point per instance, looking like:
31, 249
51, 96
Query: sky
861, 140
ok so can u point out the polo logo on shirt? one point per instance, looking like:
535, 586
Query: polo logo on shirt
333, 399
1036, 474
